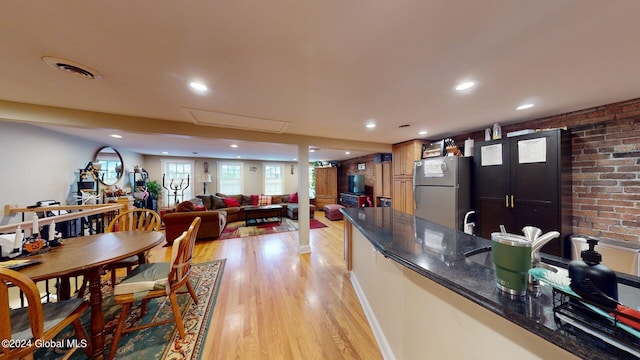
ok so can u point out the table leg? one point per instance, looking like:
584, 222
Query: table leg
97, 317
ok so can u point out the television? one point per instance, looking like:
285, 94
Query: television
356, 184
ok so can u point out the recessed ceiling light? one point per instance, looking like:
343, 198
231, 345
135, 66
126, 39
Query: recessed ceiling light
116, 136
524, 106
165, 153
234, 145
238, 157
465, 86
198, 86
312, 150
347, 152
294, 159
423, 132
371, 125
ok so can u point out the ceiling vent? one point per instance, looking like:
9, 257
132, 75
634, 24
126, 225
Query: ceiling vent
72, 67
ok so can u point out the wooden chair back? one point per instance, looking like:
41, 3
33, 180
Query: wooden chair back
32, 294
181, 262
135, 220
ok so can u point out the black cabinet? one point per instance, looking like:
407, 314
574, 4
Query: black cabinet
525, 180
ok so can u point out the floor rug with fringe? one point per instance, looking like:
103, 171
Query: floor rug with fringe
157, 342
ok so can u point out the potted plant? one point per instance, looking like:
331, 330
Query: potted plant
155, 189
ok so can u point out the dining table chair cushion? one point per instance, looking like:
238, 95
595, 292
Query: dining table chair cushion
54, 313
151, 276
145, 277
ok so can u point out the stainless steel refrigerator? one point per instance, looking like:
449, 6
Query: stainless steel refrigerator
442, 189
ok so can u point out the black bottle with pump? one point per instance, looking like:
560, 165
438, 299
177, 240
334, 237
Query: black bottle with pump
592, 280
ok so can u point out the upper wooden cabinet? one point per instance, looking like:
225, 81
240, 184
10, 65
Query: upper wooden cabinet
404, 154
525, 181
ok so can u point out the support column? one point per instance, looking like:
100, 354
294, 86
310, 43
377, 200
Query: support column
303, 199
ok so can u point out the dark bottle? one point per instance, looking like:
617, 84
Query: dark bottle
590, 279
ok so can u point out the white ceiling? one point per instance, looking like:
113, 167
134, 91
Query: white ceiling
320, 68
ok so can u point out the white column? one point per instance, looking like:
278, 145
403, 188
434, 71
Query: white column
303, 199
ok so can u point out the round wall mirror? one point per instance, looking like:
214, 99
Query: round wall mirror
109, 165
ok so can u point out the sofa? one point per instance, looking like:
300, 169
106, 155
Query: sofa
218, 210
178, 219
235, 205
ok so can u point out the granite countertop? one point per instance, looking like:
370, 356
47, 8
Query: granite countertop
438, 253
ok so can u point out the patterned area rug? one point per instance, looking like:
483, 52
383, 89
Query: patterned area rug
237, 229
157, 342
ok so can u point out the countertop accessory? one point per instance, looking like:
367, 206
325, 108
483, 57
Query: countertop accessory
588, 275
577, 311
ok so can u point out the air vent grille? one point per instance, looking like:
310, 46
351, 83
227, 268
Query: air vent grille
72, 67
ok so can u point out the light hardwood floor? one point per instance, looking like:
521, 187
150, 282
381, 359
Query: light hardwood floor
276, 304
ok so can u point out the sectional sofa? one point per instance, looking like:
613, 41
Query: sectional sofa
218, 210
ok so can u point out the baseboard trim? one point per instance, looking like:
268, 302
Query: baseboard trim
304, 249
383, 344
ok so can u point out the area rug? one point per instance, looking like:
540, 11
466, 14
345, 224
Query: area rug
157, 342
237, 229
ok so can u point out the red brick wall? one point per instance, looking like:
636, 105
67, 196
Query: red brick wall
605, 166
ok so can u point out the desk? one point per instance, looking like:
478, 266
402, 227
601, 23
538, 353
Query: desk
86, 255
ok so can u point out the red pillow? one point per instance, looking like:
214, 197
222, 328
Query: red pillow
200, 207
293, 198
254, 200
231, 202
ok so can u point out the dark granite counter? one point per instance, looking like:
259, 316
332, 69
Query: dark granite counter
438, 253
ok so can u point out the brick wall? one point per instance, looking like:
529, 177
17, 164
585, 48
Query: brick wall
605, 166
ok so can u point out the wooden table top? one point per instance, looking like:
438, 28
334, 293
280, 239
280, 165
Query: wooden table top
78, 254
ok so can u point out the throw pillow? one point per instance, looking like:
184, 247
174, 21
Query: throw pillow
200, 207
264, 200
276, 199
293, 198
185, 206
231, 202
217, 202
254, 200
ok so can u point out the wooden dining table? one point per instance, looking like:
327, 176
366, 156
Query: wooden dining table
87, 255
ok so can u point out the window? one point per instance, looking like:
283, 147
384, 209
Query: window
178, 178
273, 180
230, 178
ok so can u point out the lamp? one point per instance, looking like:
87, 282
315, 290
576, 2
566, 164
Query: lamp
205, 178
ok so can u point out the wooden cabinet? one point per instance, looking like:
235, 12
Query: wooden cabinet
525, 180
403, 195
326, 186
404, 155
383, 182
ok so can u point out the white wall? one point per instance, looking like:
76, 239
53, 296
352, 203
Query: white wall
253, 180
39, 164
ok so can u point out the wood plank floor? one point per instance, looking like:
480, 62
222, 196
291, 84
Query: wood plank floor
276, 304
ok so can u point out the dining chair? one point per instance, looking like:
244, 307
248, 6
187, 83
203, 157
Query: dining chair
37, 322
131, 220
155, 280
